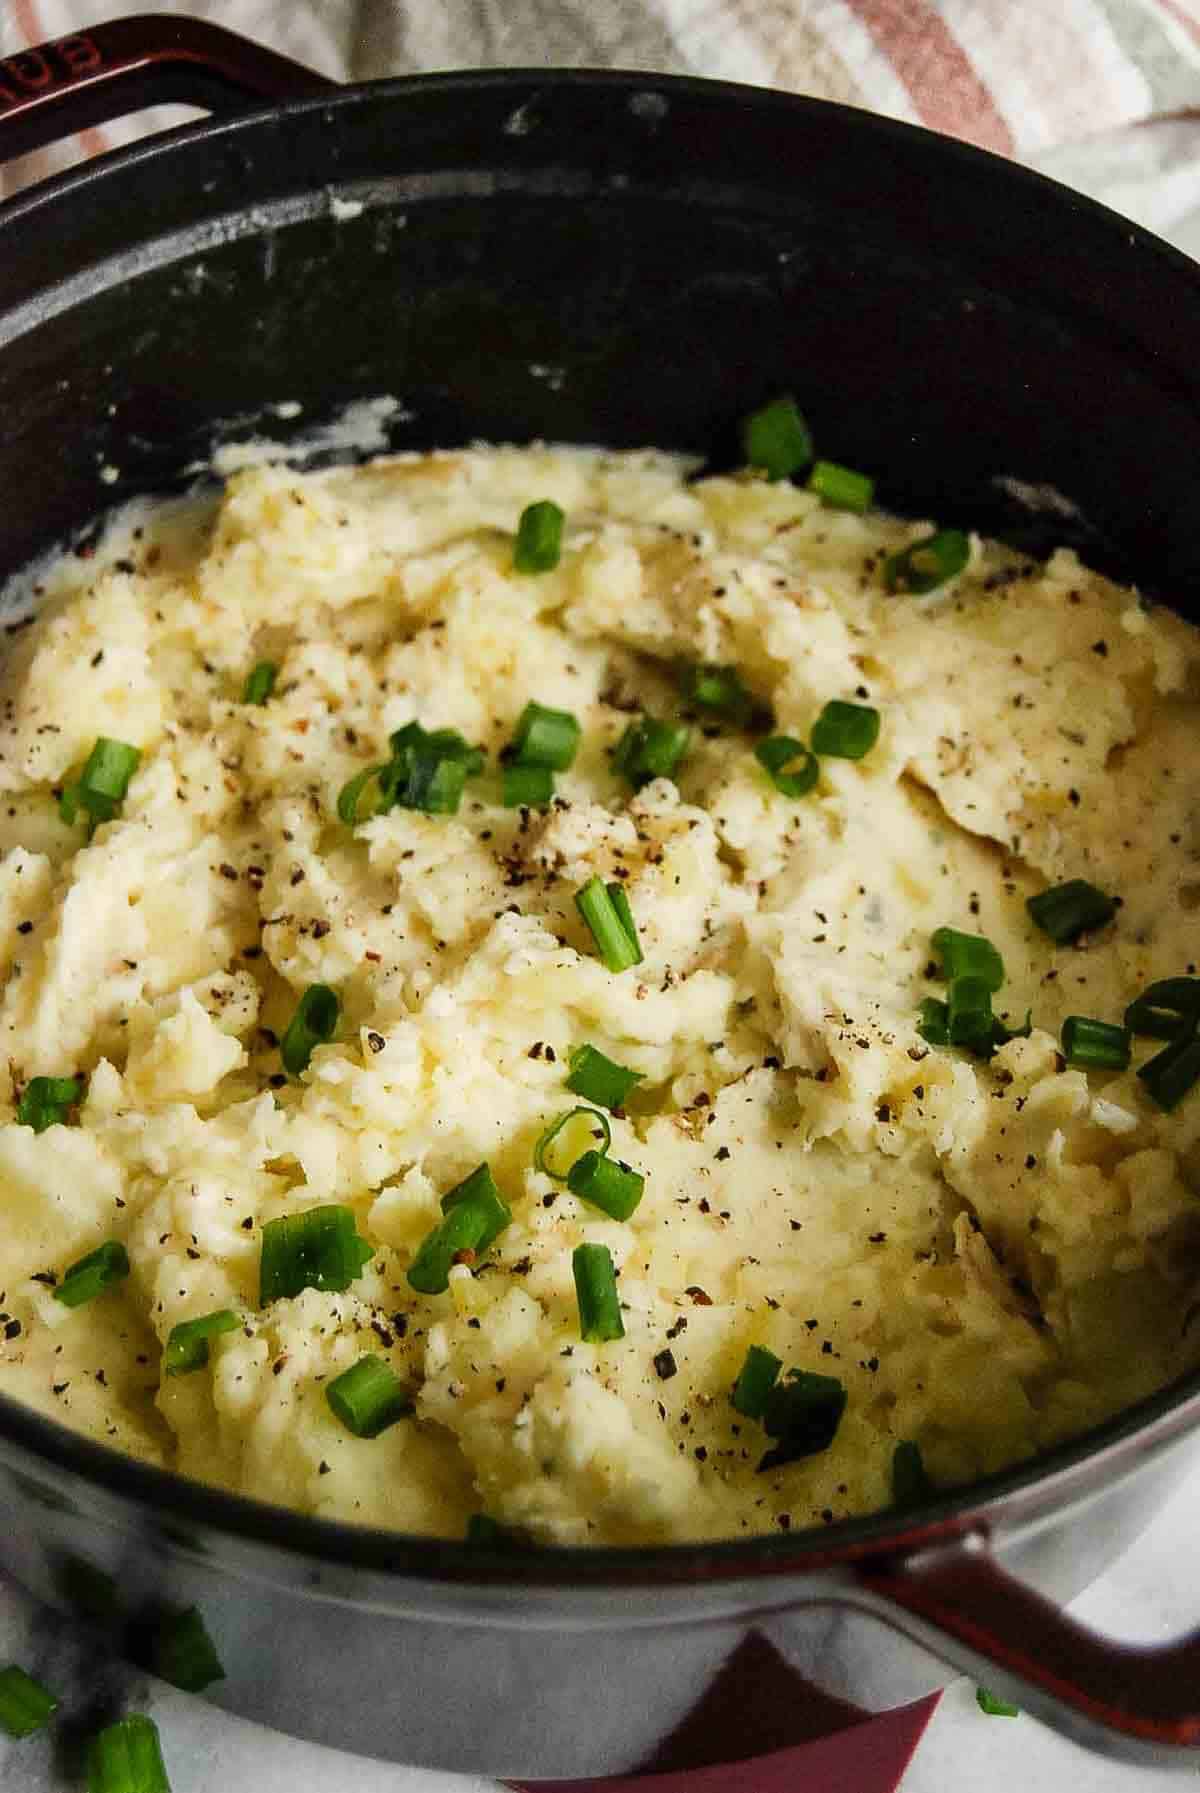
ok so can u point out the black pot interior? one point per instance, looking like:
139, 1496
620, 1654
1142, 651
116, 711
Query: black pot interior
606, 259
609, 259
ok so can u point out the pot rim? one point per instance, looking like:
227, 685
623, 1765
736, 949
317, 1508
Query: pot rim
1009, 1499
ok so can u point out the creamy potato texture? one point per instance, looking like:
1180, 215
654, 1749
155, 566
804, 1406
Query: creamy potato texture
988, 1254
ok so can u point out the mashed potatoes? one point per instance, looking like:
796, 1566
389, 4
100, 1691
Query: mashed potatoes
987, 1254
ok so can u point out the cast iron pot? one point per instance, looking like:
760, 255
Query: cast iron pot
628, 260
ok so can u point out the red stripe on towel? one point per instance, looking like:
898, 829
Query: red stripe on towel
946, 89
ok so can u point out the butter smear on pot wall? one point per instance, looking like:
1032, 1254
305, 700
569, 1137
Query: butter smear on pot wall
310, 918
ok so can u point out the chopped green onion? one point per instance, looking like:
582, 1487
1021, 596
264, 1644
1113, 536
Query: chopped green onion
756, 1378
48, 1101
717, 689
430, 781
596, 1294
187, 1343
540, 1161
1095, 1045
968, 955
480, 1189
428, 771
458, 1238
260, 683
1068, 910
317, 1249
781, 751
845, 731
1170, 1074
803, 1413
777, 439
598, 1079
1166, 1009
528, 787
650, 749
126, 1758
183, 1653
443, 743
606, 1183
926, 564
841, 487
367, 794
545, 737
538, 546
605, 909
313, 1024
933, 1022
102, 784
969, 1014
369, 1397
25, 1705
911, 1485
994, 1706
92, 1275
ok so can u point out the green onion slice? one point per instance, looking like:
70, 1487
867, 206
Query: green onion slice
260, 683
1170, 1074
1166, 1009
1095, 1045
607, 1183
458, 1238
367, 794
102, 784
596, 1294
126, 1757
968, 955
841, 487
845, 731
597, 1079
926, 564
528, 787
443, 743
48, 1101
779, 752
605, 909
994, 1706
718, 690
538, 547
933, 1022
911, 1485
545, 737
1066, 911
25, 1705
183, 1653
541, 1149
803, 1414
92, 1275
369, 1397
755, 1380
187, 1343
313, 1024
474, 1215
777, 439
317, 1249
650, 749
969, 1014
480, 1189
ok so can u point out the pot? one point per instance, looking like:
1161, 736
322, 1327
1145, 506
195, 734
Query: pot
628, 259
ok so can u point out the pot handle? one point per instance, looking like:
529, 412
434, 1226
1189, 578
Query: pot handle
154, 59
1141, 1703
